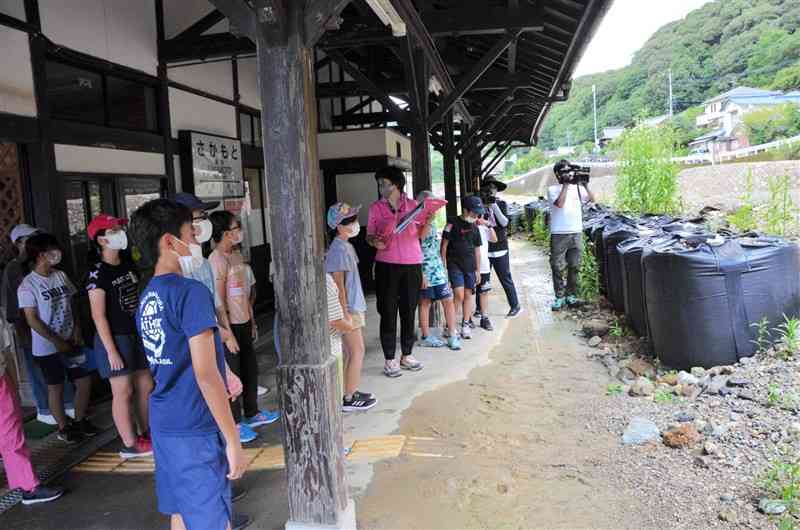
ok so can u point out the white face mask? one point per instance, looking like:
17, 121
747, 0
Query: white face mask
191, 262
470, 219
116, 240
352, 229
203, 230
238, 238
53, 257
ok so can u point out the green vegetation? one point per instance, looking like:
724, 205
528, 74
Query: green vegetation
763, 338
772, 123
617, 328
527, 160
663, 395
540, 233
588, 275
615, 389
723, 44
789, 337
648, 179
781, 482
781, 212
744, 218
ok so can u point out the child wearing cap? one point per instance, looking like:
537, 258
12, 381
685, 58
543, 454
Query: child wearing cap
113, 287
435, 286
484, 287
341, 262
461, 253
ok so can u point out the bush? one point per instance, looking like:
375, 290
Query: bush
540, 233
589, 275
648, 179
772, 123
781, 212
744, 218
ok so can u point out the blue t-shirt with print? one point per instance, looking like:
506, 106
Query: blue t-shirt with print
432, 266
173, 309
341, 257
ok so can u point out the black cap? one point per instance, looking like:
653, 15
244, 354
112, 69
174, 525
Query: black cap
193, 203
491, 181
474, 204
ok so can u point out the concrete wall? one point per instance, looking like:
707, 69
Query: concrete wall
189, 111
73, 158
16, 77
363, 142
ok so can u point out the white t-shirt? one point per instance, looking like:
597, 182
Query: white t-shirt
569, 219
52, 298
485, 267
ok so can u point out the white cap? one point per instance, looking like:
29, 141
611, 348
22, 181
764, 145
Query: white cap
22, 230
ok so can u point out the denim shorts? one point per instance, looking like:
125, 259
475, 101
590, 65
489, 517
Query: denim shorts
459, 278
191, 479
437, 292
129, 348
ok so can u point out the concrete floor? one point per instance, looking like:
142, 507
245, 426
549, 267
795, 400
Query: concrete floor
126, 501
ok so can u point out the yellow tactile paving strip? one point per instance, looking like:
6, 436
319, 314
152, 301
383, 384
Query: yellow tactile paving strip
271, 457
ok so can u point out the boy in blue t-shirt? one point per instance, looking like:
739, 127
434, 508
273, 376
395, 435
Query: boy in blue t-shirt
195, 440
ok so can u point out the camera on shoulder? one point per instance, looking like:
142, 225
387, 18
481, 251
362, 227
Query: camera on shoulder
569, 173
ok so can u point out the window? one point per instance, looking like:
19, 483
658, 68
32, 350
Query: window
250, 129
82, 95
136, 192
131, 105
75, 94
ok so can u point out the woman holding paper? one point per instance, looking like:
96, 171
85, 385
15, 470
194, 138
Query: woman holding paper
394, 228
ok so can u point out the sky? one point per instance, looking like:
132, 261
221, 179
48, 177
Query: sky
626, 27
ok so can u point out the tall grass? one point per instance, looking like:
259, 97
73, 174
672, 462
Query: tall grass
781, 213
648, 179
589, 274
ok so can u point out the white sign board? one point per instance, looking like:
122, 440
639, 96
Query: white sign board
217, 165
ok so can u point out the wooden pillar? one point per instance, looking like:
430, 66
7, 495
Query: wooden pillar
308, 378
449, 160
164, 121
474, 177
420, 142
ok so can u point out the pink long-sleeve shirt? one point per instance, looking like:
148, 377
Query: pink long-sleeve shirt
403, 248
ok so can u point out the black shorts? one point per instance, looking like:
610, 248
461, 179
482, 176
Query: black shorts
129, 348
486, 283
57, 365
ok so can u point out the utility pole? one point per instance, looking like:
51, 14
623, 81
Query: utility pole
671, 105
594, 100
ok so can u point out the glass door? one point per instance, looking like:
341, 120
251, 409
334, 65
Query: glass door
134, 192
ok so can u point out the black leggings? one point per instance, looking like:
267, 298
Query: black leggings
245, 365
397, 290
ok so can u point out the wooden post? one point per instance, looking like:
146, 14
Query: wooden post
449, 159
308, 378
420, 143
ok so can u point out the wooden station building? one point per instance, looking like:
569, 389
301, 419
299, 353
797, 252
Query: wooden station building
277, 108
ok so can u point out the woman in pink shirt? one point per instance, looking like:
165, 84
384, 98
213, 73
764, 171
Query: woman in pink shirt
398, 268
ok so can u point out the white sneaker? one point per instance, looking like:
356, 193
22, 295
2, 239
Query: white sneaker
46, 419
70, 412
262, 390
466, 332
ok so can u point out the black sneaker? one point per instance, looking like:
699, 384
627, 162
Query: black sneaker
477, 314
88, 428
363, 395
486, 324
41, 494
240, 521
515, 312
71, 434
238, 492
138, 450
353, 404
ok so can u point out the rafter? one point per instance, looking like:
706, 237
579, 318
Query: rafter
479, 19
318, 15
241, 16
202, 25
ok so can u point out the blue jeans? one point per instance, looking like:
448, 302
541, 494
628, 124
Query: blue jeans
40, 387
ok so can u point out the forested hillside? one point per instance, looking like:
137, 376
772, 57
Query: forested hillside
722, 45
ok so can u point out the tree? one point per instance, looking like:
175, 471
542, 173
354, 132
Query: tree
772, 123
787, 79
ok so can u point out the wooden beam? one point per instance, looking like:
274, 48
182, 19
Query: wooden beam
449, 163
18, 129
15, 23
307, 378
485, 119
318, 15
420, 141
358, 106
479, 19
513, 6
500, 156
240, 15
416, 27
205, 47
474, 74
202, 25
367, 118
368, 85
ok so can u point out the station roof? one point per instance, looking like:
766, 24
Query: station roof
498, 64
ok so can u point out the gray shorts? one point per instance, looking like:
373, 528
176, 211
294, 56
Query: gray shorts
566, 250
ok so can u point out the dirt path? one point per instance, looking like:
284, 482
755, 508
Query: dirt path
521, 443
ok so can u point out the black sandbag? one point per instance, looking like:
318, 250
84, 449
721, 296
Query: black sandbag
613, 235
530, 213
609, 225
701, 302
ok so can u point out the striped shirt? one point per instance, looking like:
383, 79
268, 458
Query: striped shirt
334, 313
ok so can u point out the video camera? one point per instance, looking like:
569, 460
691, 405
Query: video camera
568, 173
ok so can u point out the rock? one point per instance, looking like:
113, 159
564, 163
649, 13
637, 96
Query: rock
640, 431
726, 370
701, 425
744, 361
794, 428
729, 515
685, 378
642, 387
684, 417
725, 391
702, 462
698, 372
596, 328
727, 497
642, 368
710, 448
691, 391
735, 416
714, 371
738, 382
716, 384
745, 395
595, 341
626, 376
771, 506
684, 436
718, 430
669, 379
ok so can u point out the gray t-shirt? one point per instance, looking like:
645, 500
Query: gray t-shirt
342, 257
52, 297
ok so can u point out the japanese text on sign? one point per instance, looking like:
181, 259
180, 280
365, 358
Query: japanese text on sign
217, 164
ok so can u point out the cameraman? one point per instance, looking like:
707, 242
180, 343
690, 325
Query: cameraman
566, 229
497, 215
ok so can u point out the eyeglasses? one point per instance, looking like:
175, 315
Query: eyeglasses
234, 228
